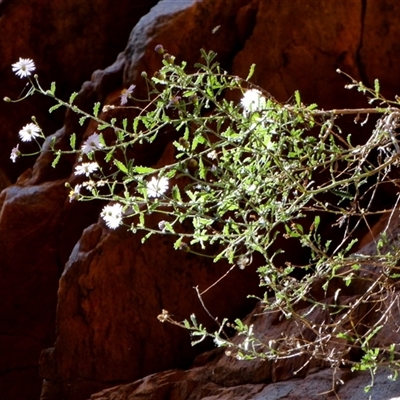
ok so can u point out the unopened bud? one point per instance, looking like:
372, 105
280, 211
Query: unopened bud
194, 99
192, 163
183, 142
159, 49
159, 75
184, 246
168, 58
7, 99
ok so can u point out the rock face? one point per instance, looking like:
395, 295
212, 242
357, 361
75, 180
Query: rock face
215, 375
68, 40
112, 288
36, 232
198, 383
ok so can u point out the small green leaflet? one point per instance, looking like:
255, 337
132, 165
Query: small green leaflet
96, 109
55, 161
377, 87
72, 141
177, 244
53, 88
135, 124
72, 97
176, 194
168, 227
144, 170
202, 169
54, 107
251, 71
146, 237
109, 155
82, 120
121, 166
297, 97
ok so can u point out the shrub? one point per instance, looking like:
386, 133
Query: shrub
244, 174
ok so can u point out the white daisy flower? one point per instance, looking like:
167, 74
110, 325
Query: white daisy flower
92, 143
252, 101
126, 94
74, 194
89, 185
157, 187
112, 215
15, 153
86, 168
212, 155
101, 183
23, 67
29, 132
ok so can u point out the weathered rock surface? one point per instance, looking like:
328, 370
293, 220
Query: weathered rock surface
112, 288
216, 375
67, 40
198, 384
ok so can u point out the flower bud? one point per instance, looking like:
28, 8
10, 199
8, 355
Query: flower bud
159, 49
184, 246
7, 99
161, 225
168, 58
183, 142
143, 74
192, 163
159, 75
194, 99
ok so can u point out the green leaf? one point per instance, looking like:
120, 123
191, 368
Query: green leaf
109, 155
102, 127
350, 245
168, 227
135, 125
57, 159
72, 141
51, 109
141, 220
96, 109
372, 334
53, 88
177, 244
297, 98
202, 169
251, 71
72, 97
317, 220
146, 237
377, 87
82, 120
121, 166
176, 194
144, 170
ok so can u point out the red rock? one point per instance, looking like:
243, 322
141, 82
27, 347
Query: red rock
66, 48
36, 232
